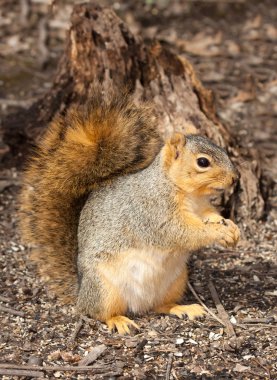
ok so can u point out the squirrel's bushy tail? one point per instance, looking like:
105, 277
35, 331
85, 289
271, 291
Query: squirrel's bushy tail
93, 143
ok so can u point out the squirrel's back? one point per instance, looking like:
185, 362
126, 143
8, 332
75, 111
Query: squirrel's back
90, 144
137, 202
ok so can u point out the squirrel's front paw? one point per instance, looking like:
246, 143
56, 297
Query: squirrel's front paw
213, 218
229, 232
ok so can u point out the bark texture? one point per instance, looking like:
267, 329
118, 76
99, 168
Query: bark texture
100, 46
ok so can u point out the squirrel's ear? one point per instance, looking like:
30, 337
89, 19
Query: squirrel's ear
177, 143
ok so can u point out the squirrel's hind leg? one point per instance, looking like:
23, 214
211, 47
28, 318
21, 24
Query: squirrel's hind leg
191, 311
174, 295
100, 298
113, 310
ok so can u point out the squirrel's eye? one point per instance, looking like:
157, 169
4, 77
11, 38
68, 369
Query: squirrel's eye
203, 162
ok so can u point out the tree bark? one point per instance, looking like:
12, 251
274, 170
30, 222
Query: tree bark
101, 47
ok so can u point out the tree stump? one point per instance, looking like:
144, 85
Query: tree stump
101, 47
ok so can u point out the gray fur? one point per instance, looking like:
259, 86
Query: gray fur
123, 206
134, 211
117, 207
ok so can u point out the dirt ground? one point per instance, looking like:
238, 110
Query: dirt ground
233, 47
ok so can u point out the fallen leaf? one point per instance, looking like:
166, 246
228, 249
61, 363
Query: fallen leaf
268, 293
255, 23
54, 355
241, 368
69, 357
242, 96
192, 341
202, 45
233, 320
232, 48
271, 32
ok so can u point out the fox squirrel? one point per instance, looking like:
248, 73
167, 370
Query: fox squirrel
112, 212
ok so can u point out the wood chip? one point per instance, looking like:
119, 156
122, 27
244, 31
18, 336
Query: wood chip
92, 355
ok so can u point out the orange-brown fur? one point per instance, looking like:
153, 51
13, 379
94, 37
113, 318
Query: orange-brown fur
177, 289
108, 136
162, 264
171, 301
113, 303
84, 150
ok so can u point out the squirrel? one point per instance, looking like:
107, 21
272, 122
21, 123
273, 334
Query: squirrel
112, 211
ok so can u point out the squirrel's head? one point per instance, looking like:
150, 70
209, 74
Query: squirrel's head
197, 165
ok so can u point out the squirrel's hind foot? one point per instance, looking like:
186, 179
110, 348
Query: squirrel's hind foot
121, 324
191, 311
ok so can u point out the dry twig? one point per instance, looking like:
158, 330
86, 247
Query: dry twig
16, 102
42, 40
20, 372
261, 325
204, 306
4, 299
24, 12
169, 366
12, 311
264, 367
257, 320
47, 368
78, 327
221, 311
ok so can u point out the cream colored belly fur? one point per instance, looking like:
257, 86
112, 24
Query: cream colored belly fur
143, 277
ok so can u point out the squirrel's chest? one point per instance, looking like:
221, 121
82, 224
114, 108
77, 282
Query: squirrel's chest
144, 277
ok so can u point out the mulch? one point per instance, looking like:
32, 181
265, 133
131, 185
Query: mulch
233, 47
